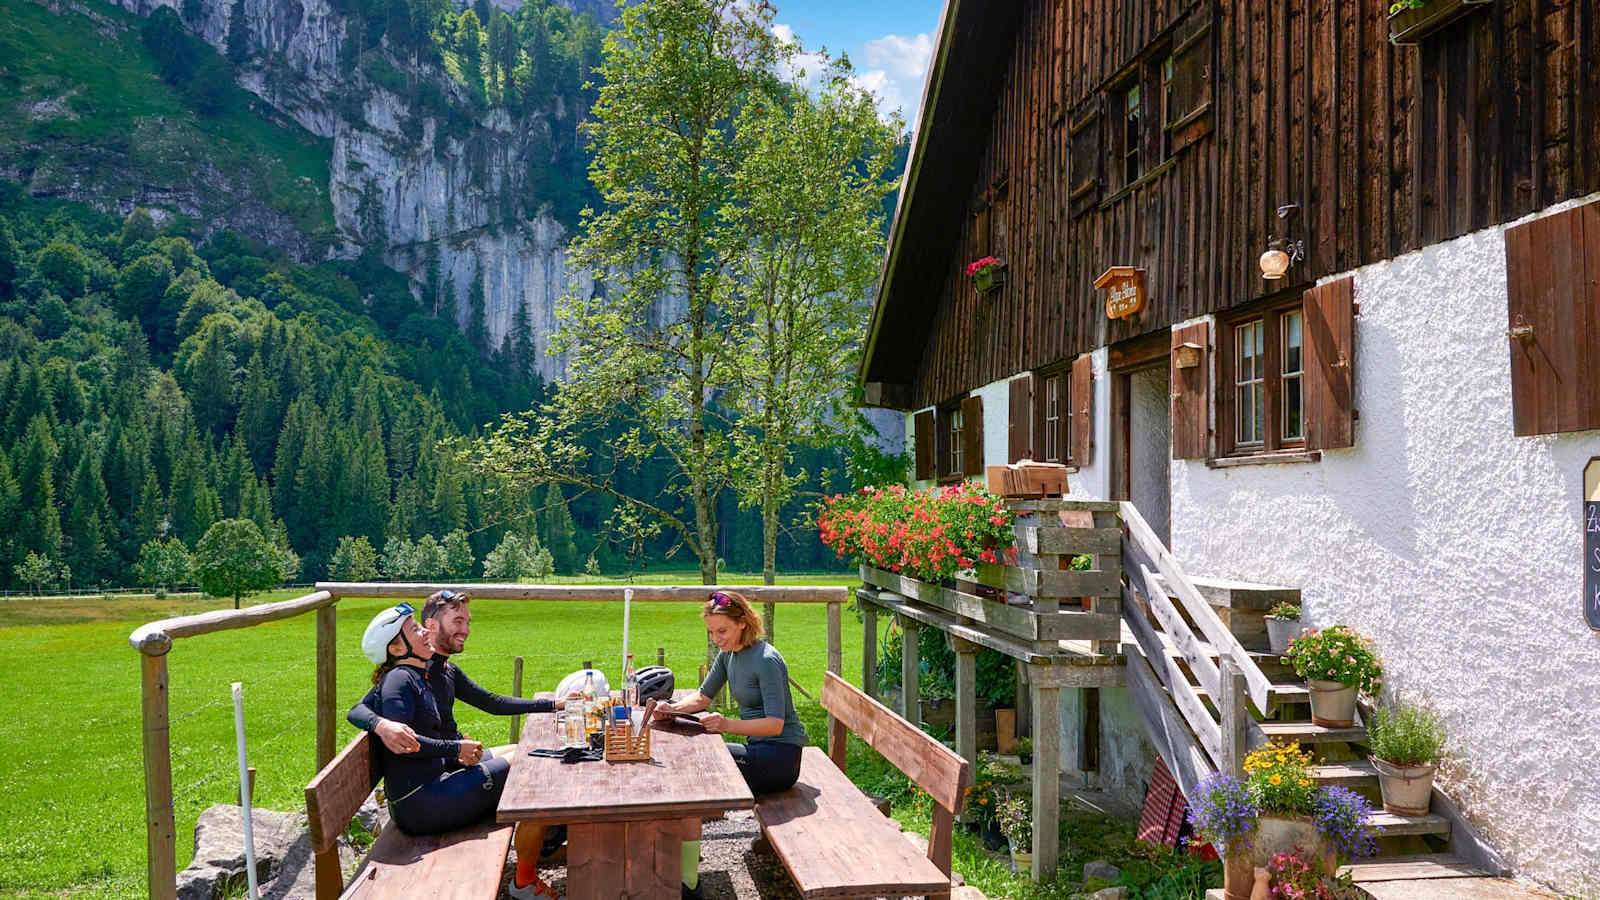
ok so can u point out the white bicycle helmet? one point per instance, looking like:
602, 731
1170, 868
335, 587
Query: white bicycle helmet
573, 684
382, 629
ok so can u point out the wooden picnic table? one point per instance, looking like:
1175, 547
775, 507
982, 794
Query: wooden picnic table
626, 821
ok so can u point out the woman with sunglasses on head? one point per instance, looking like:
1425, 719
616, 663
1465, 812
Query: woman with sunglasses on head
758, 680
447, 782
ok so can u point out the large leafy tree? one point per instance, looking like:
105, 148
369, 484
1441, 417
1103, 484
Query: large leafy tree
235, 559
645, 354
813, 175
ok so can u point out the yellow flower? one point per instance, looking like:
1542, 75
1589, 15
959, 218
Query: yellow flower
1276, 780
1305, 782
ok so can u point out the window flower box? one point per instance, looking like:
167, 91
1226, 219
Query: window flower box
987, 273
1410, 24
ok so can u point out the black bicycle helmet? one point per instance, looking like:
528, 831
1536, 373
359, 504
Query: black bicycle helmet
655, 683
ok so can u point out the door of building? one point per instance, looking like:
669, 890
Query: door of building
1141, 428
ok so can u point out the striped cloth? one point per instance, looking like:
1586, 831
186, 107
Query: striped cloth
1164, 809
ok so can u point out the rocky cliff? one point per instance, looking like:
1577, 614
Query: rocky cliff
447, 201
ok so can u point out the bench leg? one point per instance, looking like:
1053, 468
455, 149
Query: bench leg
330, 879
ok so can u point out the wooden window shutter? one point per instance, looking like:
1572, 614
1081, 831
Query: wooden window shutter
1191, 394
1020, 424
1553, 317
1191, 82
1330, 353
971, 436
922, 430
1082, 395
1085, 160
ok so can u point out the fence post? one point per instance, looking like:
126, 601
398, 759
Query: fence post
327, 682
835, 638
661, 656
1235, 717
910, 670
516, 691
869, 649
161, 827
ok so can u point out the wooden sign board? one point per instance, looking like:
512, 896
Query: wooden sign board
1591, 543
1124, 287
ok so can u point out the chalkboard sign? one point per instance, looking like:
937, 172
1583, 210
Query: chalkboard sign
1591, 543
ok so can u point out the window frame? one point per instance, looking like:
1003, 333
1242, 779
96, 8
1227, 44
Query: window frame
1060, 373
1271, 314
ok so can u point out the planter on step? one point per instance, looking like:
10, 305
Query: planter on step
1274, 834
1022, 860
1407, 790
1333, 705
1280, 632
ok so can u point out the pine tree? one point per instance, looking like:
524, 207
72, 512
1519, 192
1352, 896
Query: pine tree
10, 516
150, 516
85, 535
8, 260
559, 532
469, 52
259, 413
238, 34
35, 467
477, 326
208, 382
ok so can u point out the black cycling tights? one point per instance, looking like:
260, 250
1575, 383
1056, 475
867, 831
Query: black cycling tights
767, 766
454, 799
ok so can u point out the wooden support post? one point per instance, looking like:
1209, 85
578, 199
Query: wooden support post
910, 670
966, 704
251, 787
661, 656
516, 691
327, 683
1024, 701
1046, 779
1089, 746
835, 638
1236, 721
161, 827
869, 650
769, 620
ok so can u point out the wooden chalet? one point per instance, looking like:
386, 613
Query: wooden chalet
1392, 428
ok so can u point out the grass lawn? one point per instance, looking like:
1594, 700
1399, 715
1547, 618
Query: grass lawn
71, 777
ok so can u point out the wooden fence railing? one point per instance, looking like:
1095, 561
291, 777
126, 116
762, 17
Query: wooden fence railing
155, 640
1193, 740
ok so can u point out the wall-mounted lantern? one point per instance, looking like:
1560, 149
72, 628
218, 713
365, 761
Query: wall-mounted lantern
1285, 251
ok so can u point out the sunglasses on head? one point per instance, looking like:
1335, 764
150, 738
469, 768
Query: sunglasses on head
450, 597
404, 610
719, 600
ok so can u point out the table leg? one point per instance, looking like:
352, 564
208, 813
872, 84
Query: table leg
627, 860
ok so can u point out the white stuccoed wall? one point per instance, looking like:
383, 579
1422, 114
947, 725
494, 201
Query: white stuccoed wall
1452, 541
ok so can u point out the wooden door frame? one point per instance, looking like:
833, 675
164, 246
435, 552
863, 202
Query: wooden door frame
1122, 361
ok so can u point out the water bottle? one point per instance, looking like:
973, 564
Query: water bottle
630, 685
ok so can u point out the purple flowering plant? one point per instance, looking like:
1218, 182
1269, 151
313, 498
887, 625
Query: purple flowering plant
1341, 815
1224, 810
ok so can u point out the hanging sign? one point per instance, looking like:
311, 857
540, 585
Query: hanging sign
1591, 543
1124, 287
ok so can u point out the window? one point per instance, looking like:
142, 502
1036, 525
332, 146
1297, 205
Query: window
1052, 419
1052, 416
1265, 370
956, 446
1132, 134
1168, 72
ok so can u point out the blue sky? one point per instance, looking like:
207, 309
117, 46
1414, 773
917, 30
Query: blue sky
889, 41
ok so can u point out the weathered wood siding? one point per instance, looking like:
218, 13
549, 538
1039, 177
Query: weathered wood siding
1386, 149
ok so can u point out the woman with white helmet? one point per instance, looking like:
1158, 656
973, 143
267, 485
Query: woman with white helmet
447, 782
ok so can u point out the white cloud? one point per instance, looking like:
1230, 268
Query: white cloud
801, 68
894, 71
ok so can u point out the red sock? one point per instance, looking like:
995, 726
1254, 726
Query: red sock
527, 872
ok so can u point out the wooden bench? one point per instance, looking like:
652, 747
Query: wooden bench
830, 836
462, 865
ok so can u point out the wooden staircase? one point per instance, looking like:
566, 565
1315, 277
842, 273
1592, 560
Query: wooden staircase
1208, 690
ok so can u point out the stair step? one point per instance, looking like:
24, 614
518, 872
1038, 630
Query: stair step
1393, 824
1406, 868
1277, 695
1354, 773
1309, 733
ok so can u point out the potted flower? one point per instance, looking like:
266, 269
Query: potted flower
1276, 808
1295, 874
991, 785
1336, 663
1016, 821
1283, 624
987, 273
1025, 751
1407, 742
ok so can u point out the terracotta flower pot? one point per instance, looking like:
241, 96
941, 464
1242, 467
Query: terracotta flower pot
1274, 834
1280, 632
1407, 790
1333, 705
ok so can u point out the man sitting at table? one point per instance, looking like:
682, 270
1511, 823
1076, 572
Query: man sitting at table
448, 621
